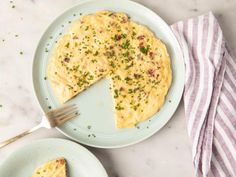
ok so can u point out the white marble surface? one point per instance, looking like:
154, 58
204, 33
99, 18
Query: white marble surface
166, 154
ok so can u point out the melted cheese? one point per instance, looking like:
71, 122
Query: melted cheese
109, 44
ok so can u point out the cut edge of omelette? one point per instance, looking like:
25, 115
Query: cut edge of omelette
52, 168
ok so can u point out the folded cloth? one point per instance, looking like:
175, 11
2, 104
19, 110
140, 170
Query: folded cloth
209, 95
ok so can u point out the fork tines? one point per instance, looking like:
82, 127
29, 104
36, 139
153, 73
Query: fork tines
63, 114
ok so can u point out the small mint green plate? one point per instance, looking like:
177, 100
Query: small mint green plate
95, 126
80, 162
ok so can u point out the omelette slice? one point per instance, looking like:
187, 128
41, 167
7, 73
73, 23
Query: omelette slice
53, 168
109, 44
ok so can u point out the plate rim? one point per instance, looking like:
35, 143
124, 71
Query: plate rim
66, 141
124, 144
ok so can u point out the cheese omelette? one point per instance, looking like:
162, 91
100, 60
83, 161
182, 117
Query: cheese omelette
109, 44
53, 168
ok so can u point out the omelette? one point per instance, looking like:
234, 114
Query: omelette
53, 168
109, 45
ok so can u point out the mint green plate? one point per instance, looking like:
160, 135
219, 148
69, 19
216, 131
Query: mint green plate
80, 162
96, 124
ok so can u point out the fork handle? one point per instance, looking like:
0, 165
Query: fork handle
6, 142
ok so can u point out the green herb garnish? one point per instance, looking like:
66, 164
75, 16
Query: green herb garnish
96, 53
130, 91
125, 45
123, 35
67, 45
116, 93
119, 107
145, 50
90, 77
116, 37
126, 54
112, 64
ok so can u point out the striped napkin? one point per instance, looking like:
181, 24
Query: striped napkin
209, 95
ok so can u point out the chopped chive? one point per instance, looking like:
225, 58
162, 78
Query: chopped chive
125, 45
94, 135
145, 50
67, 45
116, 93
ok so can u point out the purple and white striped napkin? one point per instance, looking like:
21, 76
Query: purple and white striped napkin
209, 95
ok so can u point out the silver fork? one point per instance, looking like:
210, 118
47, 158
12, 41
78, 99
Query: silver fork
51, 119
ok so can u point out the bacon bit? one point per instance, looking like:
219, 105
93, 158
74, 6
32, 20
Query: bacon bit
101, 70
61, 161
67, 60
122, 89
136, 76
118, 37
141, 37
111, 47
124, 20
100, 31
151, 72
75, 37
140, 44
152, 55
81, 22
157, 76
